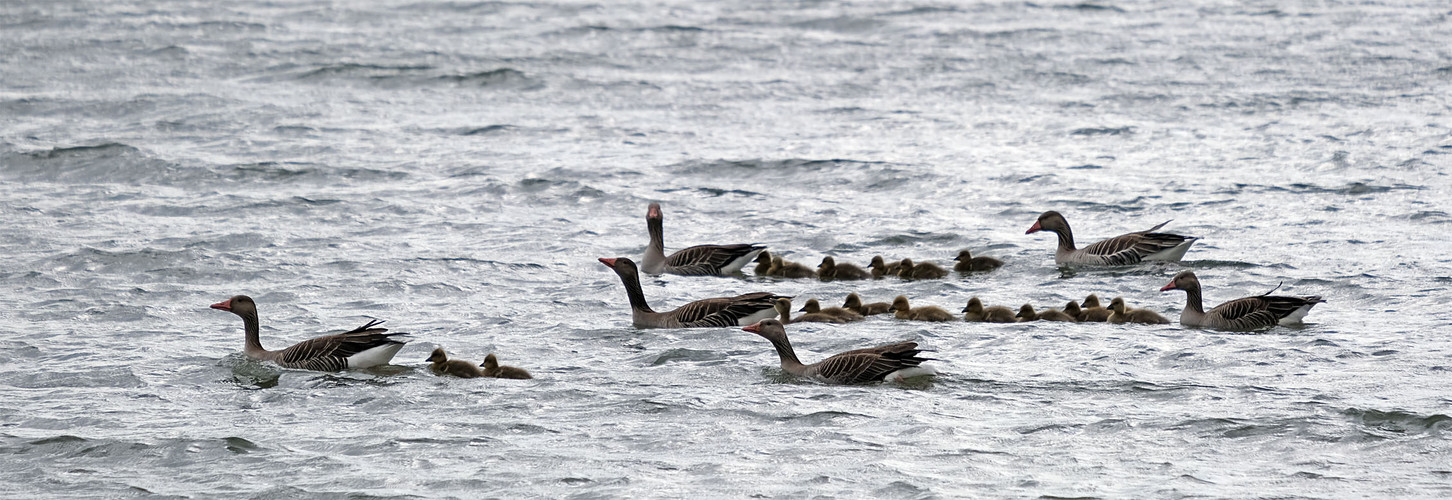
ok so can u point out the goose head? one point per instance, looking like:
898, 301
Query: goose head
1049, 221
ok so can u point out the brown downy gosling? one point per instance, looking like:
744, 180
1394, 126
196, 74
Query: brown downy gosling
920, 271
793, 270
1092, 312
1120, 314
763, 263
880, 268
1027, 313
440, 364
830, 270
854, 303
492, 368
901, 310
814, 307
784, 309
967, 263
975, 312
1072, 309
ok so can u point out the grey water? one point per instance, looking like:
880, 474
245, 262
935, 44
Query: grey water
456, 168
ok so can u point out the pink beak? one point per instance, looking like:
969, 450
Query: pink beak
1170, 286
608, 262
753, 328
225, 305
1034, 229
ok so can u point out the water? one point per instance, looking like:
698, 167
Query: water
456, 168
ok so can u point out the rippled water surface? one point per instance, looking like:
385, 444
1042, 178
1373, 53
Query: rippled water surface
456, 168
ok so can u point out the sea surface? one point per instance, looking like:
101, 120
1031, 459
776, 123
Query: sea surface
456, 168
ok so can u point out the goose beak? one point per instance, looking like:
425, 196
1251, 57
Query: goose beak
1168, 287
753, 328
608, 262
225, 305
1034, 229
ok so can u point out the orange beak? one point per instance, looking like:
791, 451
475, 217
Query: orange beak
608, 262
1034, 229
225, 305
1170, 286
753, 328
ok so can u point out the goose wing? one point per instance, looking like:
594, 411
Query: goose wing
331, 352
707, 259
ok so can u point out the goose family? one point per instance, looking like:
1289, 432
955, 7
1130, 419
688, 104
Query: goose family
699, 260
1248, 313
362, 347
1027, 314
716, 312
892, 362
1120, 250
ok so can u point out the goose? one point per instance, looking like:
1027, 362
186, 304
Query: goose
920, 271
1027, 313
1249, 313
1120, 314
901, 310
1120, 250
854, 303
812, 306
880, 268
793, 270
1092, 312
967, 263
763, 263
784, 309
1072, 309
705, 313
892, 362
699, 260
492, 368
830, 270
440, 364
362, 347
975, 312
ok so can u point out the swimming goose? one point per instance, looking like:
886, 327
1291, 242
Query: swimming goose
1027, 313
1092, 312
360, 347
1121, 314
880, 268
830, 270
901, 310
920, 271
784, 310
967, 263
788, 269
1120, 250
492, 368
975, 312
763, 263
440, 364
699, 260
705, 313
892, 362
812, 306
854, 303
1072, 309
1249, 313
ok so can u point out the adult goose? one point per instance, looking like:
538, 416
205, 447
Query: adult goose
440, 364
830, 270
1121, 314
920, 271
901, 310
1249, 313
784, 309
492, 368
967, 263
814, 307
975, 312
1120, 250
362, 347
854, 303
892, 362
699, 260
706, 313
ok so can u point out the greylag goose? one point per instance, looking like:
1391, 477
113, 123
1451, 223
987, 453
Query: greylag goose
705, 313
854, 303
362, 347
812, 306
967, 263
1027, 313
793, 270
1121, 314
440, 364
763, 263
830, 270
492, 368
1072, 309
1249, 313
784, 309
1120, 250
975, 312
881, 268
901, 310
699, 260
920, 271
1092, 312
892, 362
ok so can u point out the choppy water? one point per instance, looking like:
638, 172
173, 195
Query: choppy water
456, 168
